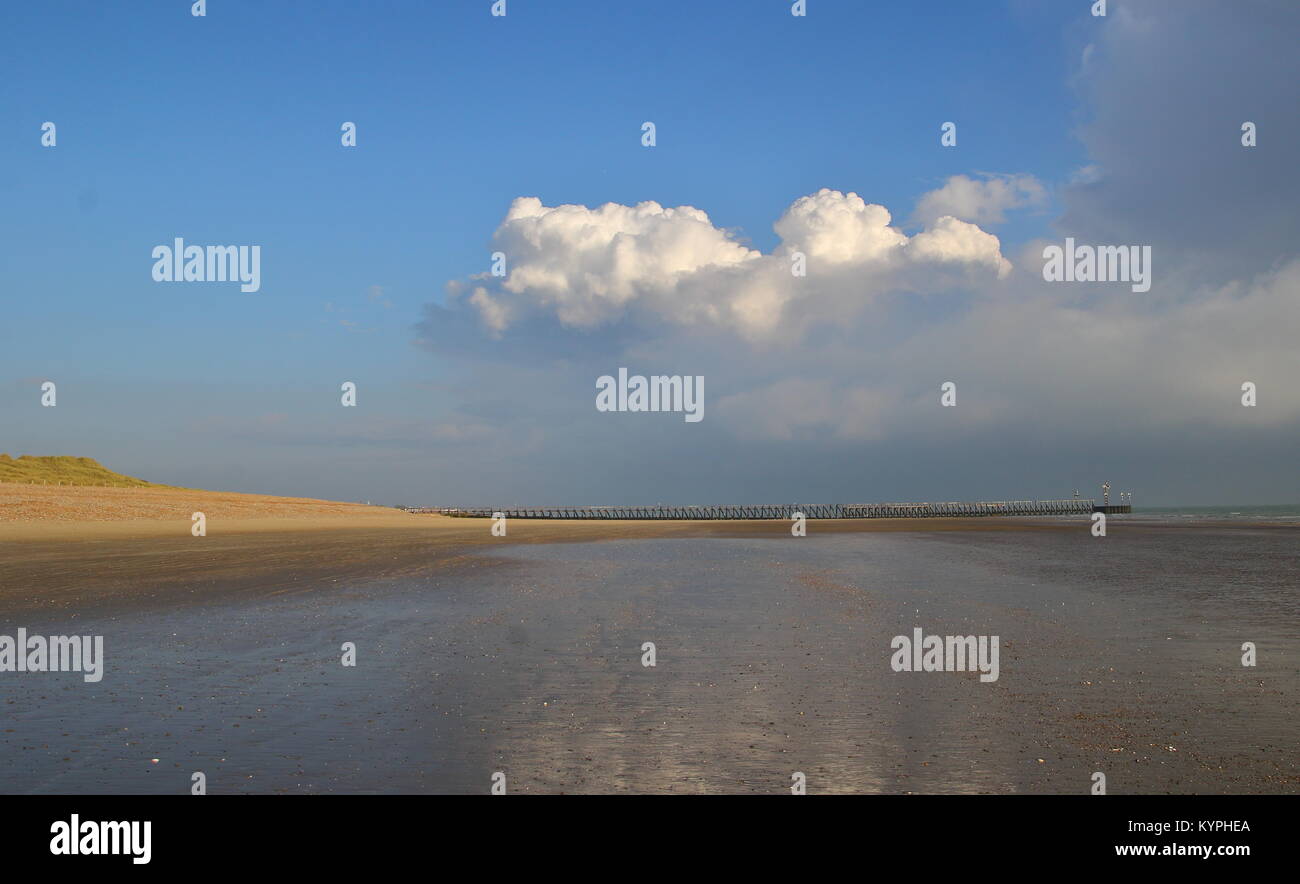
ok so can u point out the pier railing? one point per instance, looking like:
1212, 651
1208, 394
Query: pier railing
950, 509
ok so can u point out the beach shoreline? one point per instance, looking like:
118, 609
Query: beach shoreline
522, 652
70, 565
255, 543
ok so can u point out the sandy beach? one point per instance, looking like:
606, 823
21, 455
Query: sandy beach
523, 654
70, 546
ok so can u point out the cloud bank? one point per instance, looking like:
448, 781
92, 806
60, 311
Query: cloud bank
828, 384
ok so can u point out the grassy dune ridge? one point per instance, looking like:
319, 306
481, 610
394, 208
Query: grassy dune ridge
41, 490
63, 470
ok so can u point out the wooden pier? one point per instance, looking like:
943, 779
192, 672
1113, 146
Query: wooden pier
946, 510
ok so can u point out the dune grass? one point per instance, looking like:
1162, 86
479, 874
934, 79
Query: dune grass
61, 470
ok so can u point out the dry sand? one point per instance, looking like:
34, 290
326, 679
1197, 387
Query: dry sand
52, 503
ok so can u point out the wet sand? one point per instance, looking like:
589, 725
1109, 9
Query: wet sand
522, 654
64, 565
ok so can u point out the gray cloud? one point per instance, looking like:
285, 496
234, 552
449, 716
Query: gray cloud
1166, 87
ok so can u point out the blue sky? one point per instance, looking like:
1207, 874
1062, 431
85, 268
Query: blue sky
225, 129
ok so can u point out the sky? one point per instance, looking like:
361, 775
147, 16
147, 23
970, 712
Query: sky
775, 135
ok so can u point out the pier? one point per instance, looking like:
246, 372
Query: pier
946, 510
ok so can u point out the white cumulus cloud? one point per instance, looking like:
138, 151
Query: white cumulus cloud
982, 200
589, 267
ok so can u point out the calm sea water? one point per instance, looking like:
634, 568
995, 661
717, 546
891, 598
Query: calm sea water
1286, 512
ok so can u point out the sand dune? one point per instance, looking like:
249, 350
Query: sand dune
53, 503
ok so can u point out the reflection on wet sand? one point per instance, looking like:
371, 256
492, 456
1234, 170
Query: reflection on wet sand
772, 656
